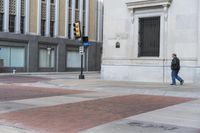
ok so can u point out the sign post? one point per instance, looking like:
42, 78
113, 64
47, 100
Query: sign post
81, 51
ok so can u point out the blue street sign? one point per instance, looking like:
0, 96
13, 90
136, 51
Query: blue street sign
86, 43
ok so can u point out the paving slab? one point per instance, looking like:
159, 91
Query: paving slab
12, 106
185, 115
181, 118
13, 129
52, 101
127, 126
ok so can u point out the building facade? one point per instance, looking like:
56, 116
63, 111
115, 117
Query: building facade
141, 35
38, 35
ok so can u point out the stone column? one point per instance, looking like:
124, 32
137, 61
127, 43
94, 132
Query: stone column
6, 16
197, 76
87, 17
18, 16
165, 61
48, 16
198, 46
66, 18
56, 18
81, 14
39, 18
27, 14
73, 18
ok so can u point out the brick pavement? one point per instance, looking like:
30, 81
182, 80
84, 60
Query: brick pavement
71, 118
13, 92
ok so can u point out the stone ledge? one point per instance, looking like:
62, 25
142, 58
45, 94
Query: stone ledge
147, 3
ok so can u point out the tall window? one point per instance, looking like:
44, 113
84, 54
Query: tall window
84, 5
22, 21
22, 24
1, 21
77, 4
149, 37
52, 1
70, 3
12, 23
46, 58
43, 27
52, 28
69, 31
12, 56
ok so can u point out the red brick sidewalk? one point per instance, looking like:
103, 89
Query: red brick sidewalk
71, 118
10, 92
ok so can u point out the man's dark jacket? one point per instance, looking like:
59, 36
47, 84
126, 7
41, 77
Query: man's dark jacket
175, 64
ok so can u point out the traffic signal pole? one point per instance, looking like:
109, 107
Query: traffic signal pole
81, 76
85, 43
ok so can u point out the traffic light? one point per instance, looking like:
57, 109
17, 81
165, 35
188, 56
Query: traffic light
77, 30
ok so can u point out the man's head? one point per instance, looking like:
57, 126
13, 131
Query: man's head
173, 55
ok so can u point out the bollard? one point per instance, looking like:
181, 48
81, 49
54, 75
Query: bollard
14, 71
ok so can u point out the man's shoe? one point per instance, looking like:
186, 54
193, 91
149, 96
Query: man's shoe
172, 84
181, 82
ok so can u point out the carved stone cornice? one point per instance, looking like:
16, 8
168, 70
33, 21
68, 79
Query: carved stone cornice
147, 3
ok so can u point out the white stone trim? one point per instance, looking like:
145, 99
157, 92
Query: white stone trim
100, 21
39, 18
27, 16
87, 17
66, 18
143, 14
147, 3
73, 18
56, 28
198, 45
6, 16
18, 16
48, 17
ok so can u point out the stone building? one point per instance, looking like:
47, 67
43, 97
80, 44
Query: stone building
38, 35
141, 35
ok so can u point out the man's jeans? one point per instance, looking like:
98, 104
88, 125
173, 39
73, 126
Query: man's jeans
175, 76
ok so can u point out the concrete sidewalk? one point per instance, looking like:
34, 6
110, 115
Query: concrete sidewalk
93, 82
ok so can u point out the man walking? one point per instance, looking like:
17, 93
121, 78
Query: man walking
175, 67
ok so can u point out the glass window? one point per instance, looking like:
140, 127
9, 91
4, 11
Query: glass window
149, 37
77, 4
46, 58
43, 27
11, 23
17, 57
69, 31
52, 1
73, 59
84, 5
12, 56
52, 28
1, 21
22, 24
70, 3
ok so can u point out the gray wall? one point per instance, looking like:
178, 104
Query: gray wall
32, 43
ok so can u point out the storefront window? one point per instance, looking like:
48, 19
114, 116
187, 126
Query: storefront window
73, 59
12, 56
47, 58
